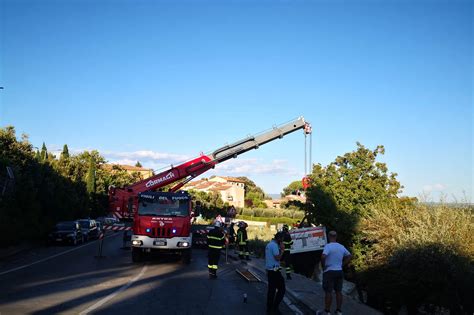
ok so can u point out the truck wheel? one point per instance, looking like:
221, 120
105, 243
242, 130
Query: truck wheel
186, 256
137, 255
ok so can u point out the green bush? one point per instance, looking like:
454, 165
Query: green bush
268, 220
257, 247
427, 277
258, 212
248, 212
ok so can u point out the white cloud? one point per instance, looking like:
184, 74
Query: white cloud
146, 155
434, 187
246, 167
234, 167
149, 159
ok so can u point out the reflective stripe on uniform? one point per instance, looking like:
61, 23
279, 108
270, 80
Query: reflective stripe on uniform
217, 247
215, 238
212, 266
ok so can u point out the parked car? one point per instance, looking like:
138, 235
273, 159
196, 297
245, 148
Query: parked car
66, 232
107, 220
89, 229
111, 221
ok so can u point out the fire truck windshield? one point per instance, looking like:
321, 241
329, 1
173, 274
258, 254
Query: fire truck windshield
164, 207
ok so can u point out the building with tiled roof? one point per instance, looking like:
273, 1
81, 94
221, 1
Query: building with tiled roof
144, 172
231, 189
276, 203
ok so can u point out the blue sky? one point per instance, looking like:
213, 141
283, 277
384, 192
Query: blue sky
161, 81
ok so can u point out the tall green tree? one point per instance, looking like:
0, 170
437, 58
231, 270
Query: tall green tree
91, 176
138, 164
44, 152
65, 153
41, 195
342, 192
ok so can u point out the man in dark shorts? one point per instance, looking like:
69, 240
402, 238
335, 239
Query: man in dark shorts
333, 258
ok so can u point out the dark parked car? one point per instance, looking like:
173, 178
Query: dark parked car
89, 229
66, 232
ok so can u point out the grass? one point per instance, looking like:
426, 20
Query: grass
276, 220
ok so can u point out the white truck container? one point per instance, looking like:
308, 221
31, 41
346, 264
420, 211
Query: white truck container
308, 239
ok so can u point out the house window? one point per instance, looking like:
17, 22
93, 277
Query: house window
230, 198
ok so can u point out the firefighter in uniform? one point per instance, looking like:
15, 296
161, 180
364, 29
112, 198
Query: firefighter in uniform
242, 241
288, 242
215, 242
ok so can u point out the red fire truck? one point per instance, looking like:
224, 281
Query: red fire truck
162, 220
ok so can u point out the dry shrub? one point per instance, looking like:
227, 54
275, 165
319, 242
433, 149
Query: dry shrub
421, 256
392, 227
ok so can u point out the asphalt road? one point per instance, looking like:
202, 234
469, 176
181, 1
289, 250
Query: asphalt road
70, 280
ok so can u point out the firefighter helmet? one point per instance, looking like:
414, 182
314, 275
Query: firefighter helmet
285, 228
279, 235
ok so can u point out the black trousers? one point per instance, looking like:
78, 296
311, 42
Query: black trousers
243, 251
287, 260
276, 289
213, 260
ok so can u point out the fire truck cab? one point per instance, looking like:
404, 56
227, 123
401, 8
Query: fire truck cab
162, 225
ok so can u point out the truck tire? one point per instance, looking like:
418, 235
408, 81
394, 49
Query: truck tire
186, 256
137, 255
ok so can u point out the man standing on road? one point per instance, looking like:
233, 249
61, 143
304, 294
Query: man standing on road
276, 284
333, 258
215, 242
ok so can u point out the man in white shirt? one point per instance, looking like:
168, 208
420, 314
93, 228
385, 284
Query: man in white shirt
333, 258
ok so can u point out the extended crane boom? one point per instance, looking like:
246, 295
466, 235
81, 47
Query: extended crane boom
122, 201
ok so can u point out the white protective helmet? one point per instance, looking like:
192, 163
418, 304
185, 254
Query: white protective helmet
217, 223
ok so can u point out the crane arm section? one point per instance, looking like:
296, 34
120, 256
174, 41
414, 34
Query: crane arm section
183, 173
253, 142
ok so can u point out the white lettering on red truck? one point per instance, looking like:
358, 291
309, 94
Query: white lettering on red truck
168, 176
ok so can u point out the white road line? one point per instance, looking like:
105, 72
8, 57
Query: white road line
112, 295
48, 258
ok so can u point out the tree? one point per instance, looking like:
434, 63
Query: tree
342, 192
254, 195
65, 153
41, 196
295, 186
211, 203
138, 164
44, 152
91, 177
